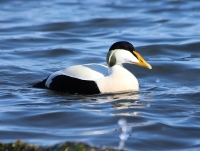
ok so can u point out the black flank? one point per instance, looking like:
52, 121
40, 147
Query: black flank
63, 83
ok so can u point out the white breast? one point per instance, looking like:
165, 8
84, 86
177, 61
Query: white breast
120, 79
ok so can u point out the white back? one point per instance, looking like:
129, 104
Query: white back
84, 72
87, 71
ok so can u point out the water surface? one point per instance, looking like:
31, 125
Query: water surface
40, 37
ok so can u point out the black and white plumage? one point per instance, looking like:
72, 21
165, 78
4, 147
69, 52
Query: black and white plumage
97, 78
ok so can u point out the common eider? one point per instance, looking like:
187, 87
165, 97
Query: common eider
97, 78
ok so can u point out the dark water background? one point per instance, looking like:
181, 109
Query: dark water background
40, 37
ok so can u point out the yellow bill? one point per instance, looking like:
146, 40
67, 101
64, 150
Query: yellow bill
141, 62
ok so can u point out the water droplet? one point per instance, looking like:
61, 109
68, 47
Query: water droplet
148, 104
121, 145
158, 80
126, 129
123, 136
135, 113
122, 122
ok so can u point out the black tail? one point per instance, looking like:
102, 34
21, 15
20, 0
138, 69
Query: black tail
40, 84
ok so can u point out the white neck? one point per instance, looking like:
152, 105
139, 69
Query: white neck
113, 68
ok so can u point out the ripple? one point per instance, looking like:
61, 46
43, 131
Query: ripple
38, 38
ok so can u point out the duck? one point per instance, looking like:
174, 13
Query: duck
97, 78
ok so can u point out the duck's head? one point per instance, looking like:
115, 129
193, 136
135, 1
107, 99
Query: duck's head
124, 52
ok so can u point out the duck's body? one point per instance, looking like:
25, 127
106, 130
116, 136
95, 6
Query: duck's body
96, 78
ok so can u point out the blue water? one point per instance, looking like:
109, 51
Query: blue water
40, 37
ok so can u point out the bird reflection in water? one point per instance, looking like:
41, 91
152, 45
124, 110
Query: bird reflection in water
119, 104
